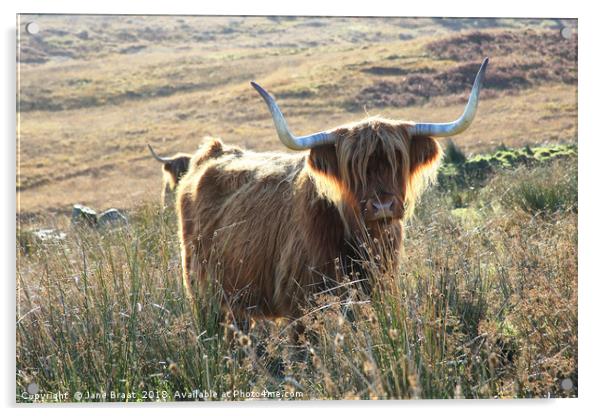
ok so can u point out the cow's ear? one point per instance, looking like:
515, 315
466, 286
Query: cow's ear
425, 154
323, 159
212, 148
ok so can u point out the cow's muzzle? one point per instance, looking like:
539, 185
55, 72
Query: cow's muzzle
383, 207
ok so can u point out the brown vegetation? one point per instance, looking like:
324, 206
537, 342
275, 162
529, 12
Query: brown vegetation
519, 60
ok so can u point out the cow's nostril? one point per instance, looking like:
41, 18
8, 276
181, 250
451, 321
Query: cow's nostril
381, 206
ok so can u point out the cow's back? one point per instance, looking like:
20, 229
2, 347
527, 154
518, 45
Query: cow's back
236, 212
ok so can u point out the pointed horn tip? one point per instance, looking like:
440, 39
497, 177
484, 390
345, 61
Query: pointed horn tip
257, 87
484, 65
260, 89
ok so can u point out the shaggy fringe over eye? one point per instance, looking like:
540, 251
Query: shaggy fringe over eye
356, 145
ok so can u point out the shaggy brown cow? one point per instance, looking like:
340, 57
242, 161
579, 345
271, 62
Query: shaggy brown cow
274, 228
174, 168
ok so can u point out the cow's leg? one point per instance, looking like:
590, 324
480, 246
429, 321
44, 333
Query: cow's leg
188, 242
164, 191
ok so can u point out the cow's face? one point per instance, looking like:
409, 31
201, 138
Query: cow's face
378, 168
380, 194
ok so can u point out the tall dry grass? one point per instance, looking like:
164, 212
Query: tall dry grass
485, 306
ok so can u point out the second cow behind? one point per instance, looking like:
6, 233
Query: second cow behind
174, 168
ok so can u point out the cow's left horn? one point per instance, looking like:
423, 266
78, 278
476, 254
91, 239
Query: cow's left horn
286, 137
461, 124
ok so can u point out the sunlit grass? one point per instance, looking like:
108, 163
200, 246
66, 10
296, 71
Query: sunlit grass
482, 308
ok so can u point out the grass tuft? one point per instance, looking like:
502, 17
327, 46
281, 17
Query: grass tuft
544, 191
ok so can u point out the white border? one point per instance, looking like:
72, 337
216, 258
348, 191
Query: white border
590, 150
458, 8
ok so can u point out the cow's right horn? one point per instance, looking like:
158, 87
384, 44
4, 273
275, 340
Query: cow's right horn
156, 156
286, 137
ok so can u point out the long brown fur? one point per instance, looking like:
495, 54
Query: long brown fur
275, 228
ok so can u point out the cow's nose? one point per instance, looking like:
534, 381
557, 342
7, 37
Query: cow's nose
382, 206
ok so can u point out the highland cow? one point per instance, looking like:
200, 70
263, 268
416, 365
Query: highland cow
174, 168
275, 228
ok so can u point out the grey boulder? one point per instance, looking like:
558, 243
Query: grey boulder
112, 217
83, 215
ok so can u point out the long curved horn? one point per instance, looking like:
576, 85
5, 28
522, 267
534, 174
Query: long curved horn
156, 156
286, 137
461, 124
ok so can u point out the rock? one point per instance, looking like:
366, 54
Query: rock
29, 240
112, 217
49, 235
82, 215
